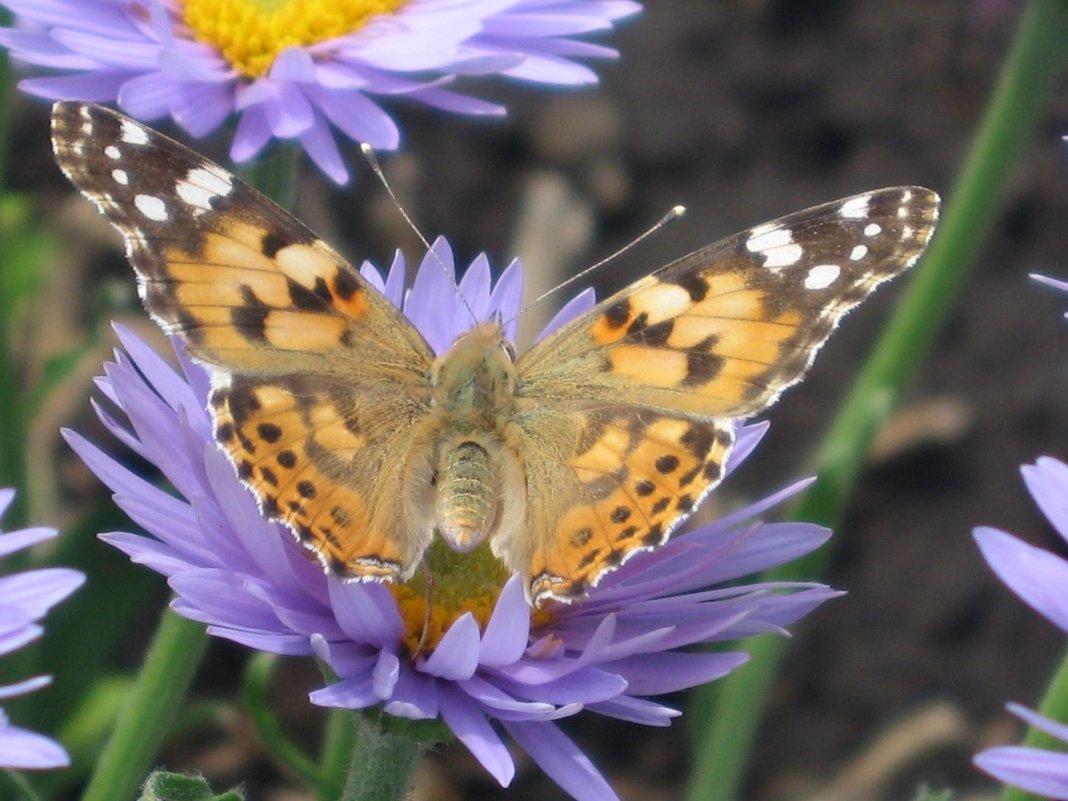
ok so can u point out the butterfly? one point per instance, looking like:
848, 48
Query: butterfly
589, 448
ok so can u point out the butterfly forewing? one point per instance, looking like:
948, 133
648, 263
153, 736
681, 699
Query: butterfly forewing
245, 283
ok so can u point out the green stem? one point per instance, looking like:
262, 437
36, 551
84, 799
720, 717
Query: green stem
150, 709
276, 174
254, 694
1029, 76
23, 789
382, 761
1055, 707
337, 754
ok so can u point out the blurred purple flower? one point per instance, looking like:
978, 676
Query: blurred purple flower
25, 598
250, 582
301, 69
1039, 578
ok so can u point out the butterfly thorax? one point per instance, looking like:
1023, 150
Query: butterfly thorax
473, 399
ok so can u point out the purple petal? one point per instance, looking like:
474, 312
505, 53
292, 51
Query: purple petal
321, 147
508, 629
636, 710
355, 692
1047, 481
581, 303
37, 591
251, 135
13, 541
366, 612
1037, 576
507, 296
96, 87
456, 655
414, 696
469, 725
561, 760
22, 749
1041, 772
24, 687
659, 673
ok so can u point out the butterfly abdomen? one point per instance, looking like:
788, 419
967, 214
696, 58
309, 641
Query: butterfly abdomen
467, 496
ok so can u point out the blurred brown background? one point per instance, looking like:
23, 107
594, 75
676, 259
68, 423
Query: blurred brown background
745, 111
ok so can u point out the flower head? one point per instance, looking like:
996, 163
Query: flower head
486, 661
25, 598
1039, 578
300, 69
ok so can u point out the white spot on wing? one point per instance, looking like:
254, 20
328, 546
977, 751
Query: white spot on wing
121, 177
152, 207
775, 237
201, 185
855, 208
113, 152
872, 229
762, 229
133, 134
858, 253
784, 256
822, 276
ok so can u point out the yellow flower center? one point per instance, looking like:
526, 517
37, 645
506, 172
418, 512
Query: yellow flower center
459, 583
251, 33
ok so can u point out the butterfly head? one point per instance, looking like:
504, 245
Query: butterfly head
477, 373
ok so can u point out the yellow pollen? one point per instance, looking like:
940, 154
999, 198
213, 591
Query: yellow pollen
460, 583
251, 33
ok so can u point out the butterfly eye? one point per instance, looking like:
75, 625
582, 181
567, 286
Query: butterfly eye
509, 350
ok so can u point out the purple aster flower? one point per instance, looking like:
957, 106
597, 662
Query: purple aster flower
300, 69
1039, 578
486, 662
25, 598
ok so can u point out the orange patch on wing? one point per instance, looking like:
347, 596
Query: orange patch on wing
303, 331
653, 366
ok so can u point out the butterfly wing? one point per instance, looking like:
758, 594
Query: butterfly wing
245, 283
647, 383
310, 362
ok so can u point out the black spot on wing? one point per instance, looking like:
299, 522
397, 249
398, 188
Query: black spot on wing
250, 317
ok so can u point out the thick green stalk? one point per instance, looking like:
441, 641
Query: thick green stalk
336, 756
1055, 707
1029, 76
150, 710
382, 761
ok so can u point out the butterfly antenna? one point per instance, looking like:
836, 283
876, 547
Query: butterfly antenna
376, 168
675, 213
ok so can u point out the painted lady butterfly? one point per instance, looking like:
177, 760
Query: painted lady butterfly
589, 448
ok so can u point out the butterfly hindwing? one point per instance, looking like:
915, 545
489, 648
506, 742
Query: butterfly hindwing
604, 484
323, 460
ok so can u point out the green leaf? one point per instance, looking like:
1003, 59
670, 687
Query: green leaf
925, 793
163, 786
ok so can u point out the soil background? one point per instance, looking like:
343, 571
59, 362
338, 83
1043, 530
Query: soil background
745, 111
